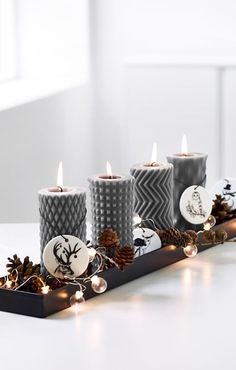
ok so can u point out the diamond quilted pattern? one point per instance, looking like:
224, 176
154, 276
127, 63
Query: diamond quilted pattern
62, 215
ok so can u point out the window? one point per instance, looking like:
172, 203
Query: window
7, 40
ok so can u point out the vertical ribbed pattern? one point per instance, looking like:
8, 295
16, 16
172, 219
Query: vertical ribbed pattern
154, 194
187, 171
61, 213
112, 207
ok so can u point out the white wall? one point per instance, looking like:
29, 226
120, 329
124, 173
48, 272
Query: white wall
52, 48
33, 139
136, 98
138, 102
52, 38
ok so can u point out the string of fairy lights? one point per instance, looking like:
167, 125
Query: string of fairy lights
97, 257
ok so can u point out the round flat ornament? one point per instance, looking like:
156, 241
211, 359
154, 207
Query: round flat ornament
66, 256
145, 240
227, 189
195, 204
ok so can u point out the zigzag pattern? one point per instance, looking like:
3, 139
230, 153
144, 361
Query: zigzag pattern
154, 195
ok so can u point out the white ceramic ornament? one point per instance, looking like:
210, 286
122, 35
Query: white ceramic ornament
226, 188
145, 241
66, 256
195, 204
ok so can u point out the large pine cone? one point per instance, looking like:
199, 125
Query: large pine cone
24, 270
124, 256
109, 238
175, 237
221, 210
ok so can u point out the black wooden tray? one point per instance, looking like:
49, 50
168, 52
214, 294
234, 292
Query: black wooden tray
43, 305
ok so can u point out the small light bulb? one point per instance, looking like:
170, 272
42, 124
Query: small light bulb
77, 298
136, 219
45, 289
190, 250
99, 285
92, 253
8, 284
210, 222
172, 247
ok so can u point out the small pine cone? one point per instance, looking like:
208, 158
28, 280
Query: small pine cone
124, 256
173, 236
193, 235
109, 238
187, 238
221, 236
209, 236
221, 210
13, 263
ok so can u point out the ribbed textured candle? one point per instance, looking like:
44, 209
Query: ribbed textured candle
112, 206
154, 194
188, 170
62, 213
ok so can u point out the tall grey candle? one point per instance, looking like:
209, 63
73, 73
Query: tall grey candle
112, 206
61, 212
189, 169
154, 193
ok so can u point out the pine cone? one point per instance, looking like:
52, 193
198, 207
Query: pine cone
124, 256
221, 210
193, 235
221, 236
24, 270
209, 236
175, 237
109, 238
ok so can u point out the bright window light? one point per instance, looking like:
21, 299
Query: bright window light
7, 40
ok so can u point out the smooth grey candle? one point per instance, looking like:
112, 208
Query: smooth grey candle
154, 194
61, 212
189, 169
112, 206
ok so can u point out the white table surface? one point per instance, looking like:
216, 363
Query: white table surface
182, 317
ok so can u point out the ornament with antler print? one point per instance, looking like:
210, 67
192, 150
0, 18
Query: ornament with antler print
66, 256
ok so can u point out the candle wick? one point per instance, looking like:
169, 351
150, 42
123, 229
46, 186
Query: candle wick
60, 188
110, 177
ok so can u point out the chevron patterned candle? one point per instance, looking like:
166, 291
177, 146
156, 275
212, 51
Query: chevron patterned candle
112, 205
189, 169
154, 192
62, 211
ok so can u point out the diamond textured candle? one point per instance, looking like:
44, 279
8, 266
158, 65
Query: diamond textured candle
62, 211
112, 205
154, 192
189, 169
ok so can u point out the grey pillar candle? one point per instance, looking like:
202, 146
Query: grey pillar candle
154, 194
112, 206
61, 212
189, 169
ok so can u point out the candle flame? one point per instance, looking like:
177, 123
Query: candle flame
60, 176
109, 171
184, 145
154, 153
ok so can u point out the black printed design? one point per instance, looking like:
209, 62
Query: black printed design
195, 206
64, 255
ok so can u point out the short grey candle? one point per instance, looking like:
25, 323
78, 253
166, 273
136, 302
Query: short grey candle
112, 206
154, 194
62, 212
189, 169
